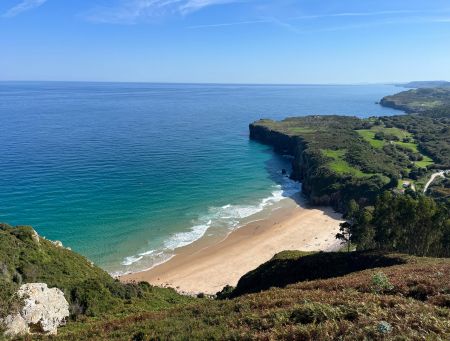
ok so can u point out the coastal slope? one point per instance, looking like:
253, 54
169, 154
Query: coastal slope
357, 296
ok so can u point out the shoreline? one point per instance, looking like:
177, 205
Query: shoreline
207, 265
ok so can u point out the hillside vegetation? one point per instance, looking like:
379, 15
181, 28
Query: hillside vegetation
341, 158
431, 135
326, 296
409, 223
296, 266
405, 298
27, 258
427, 101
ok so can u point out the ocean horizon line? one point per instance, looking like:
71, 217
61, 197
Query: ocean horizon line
203, 83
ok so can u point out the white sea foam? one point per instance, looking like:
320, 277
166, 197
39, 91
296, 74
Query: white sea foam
228, 217
185, 238
134, 259
131, 260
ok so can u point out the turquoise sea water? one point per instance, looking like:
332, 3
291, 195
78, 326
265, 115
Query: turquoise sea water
125, 173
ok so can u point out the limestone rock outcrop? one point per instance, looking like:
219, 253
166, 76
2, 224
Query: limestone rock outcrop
44, 310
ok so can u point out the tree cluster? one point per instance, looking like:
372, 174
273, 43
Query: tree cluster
410, 223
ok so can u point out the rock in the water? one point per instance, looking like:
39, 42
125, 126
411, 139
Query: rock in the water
44, 310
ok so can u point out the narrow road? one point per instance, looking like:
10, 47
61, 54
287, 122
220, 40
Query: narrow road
433, 176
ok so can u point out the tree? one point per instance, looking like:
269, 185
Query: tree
393, 183
379, 136
346, 227
363, 231
345, 234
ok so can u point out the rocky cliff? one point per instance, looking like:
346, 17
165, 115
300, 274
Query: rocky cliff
320, 184
304, 164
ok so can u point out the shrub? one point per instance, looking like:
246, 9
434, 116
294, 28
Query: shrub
380, 283
314, 313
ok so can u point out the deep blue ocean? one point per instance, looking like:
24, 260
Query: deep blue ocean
125, 173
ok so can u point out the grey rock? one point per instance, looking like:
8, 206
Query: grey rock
43, 311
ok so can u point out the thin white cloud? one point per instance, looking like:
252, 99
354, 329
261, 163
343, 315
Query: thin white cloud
364, 14
234, 23
273, 21
23, 6
195, 5
130, 11
402, 16
395, 21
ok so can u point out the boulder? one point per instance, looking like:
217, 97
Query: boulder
43, 311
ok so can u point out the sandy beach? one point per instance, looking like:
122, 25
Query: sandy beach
207, 266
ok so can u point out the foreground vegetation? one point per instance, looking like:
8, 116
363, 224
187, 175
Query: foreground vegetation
296, 295
91, 292
348, 296
405, 302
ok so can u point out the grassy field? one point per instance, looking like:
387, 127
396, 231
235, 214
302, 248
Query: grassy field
414, 147
369, 136
408, 145
425, 162
339, 165
300, 130
399, 133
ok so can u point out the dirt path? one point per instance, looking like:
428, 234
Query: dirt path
433, 176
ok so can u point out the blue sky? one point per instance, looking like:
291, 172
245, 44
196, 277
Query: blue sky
225, 41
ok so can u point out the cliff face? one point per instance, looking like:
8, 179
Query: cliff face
388, 102
285, 145
281, 143
302, 163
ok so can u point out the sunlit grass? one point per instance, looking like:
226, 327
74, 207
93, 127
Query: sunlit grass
339, 165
